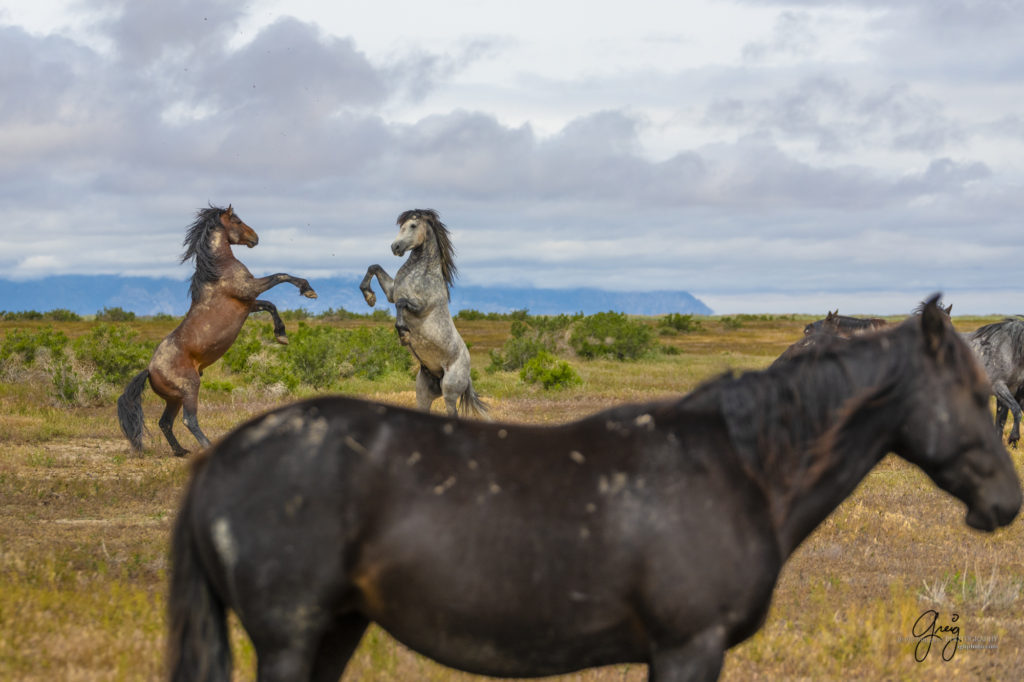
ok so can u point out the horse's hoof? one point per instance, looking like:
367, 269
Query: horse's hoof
309, 293
371, 299
282, 339
180, 453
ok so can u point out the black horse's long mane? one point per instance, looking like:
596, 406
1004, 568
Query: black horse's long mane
197, 246
773, 413
444, 242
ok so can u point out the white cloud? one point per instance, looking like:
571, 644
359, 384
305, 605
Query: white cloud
717, 147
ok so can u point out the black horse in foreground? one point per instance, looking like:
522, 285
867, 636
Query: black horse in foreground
645, 533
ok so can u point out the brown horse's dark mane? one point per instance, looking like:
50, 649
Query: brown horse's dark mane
197, 246
444, 243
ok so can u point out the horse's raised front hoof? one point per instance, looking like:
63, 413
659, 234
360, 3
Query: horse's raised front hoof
371, 298
309, 293
281, 339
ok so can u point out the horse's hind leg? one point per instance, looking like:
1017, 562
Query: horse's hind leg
337, 646
191, 405
1007, 400
453, 384
167, 426
428, 389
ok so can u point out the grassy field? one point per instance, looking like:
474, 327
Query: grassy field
84, 532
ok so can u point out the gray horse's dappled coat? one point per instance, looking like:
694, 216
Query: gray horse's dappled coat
650, 533
420, 291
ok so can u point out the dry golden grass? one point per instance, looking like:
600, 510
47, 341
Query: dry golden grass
84, 529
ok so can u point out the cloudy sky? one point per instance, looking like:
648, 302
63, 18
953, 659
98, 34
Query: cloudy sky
765, 156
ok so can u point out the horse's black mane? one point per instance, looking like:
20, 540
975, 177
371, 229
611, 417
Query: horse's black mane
444, 243
770, 413
197, 246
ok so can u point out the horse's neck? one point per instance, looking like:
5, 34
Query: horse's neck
221, 251
423, 263
811, 457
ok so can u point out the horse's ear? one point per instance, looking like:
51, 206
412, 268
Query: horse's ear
230, 210
948, 309
933, 325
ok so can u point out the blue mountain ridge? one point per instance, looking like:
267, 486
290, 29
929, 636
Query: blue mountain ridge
88, 294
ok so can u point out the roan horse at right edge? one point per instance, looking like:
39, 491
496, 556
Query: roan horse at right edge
651, 533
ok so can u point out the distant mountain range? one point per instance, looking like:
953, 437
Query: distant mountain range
88, 294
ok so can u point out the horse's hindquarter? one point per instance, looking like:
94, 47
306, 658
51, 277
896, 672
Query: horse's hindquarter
436, 341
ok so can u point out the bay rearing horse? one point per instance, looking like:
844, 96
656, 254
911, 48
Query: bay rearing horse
420, 291
647, 533
223, 294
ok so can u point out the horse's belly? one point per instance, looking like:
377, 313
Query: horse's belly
517, 649
512, 624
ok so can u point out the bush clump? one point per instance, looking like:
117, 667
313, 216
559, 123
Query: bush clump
317, 356
87, 371
25, 345
113, 352
676, 322
611, 335
115, 314
550, 372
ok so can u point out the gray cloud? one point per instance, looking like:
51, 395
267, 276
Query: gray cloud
105, 155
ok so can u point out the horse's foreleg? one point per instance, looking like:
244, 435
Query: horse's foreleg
387, 284
271, 281
167, 426
337, 646
268, 307
698, 659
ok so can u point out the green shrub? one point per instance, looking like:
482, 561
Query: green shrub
295, 314
316, 356
549, 371
163, 317
611, 335
63, 315
732, 322
675, 322
246, 345
21, 315
115, 314
27, 344
114, 352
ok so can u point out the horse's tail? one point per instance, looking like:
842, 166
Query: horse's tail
129, 410
197, 641
471, 405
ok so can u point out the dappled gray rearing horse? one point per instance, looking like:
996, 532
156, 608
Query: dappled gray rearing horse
1000, 348
420, 291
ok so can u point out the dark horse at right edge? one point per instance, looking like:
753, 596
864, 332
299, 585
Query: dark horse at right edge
650, 533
